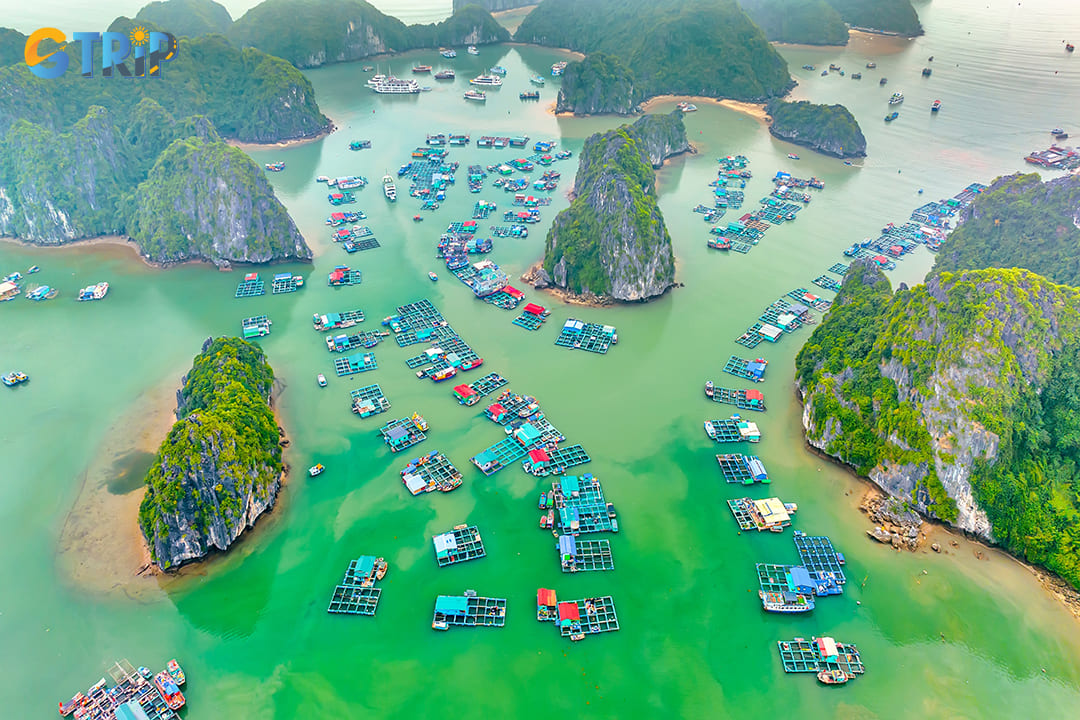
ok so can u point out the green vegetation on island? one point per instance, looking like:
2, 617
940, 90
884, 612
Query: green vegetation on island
827, 129
187, 18
612, 241
598, 84
1020, 221
683, 47
959, 396
888, 16
12, 46
220, 466
808, 22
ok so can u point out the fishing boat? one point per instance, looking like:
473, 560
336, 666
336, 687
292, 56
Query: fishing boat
316, 469
432, 276
389, 189
543, 501
1069, 47
710, 389
849, 163
321, 379
33, 269
472, 50
856, 76
1062, 136
486, 80
176, 672
558, 68
935, 106
882, 81
833, 66
537, 80
498, 70
445, 75
94, 292
785, 602
41, 292
169, 690
897, 98
824, 73
477, 95
421, 69
891, 116
448, 53
390, 85
322, 178
531, 95
808, 67
833, 677
686, 107
275, 166
1056, 131
145, 672
14, 378
926, 72
871, 65
360, 145
792, 156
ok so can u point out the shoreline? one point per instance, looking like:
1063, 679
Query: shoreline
561, 294
574, 54
283, 144
754, 110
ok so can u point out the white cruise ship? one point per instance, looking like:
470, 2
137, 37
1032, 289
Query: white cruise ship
393, 85
487, 80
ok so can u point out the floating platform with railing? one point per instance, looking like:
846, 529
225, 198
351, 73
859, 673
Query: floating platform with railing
817, 554
430, 472
818, 654
459, 545
250, 286
742, 469
369, 400
353, 364
584, 555
468, 610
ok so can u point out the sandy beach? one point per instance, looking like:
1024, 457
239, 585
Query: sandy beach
246, 146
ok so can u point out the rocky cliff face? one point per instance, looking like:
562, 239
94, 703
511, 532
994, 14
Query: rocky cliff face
827, 129
612, 240
220, 467
599, 84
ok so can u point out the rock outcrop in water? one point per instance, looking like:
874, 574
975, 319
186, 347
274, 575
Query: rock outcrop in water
612, 240
958, 396
827, 129
599, 84
220, 467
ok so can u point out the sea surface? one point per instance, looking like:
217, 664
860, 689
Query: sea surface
965, 634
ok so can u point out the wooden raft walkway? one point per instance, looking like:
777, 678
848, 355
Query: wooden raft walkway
459, 545
250, 288
817, 555
590, 555
597, 616
353, 364
369, 400
800, 656
469, 611
736, 469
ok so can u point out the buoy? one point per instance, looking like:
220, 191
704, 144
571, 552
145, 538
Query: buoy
858, 602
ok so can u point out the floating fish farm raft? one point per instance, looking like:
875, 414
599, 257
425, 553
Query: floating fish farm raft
353, 364
827, 283
776, 320
357, 594
580, 335
342, 276
769, 514
430, 472
468, 610
742, 399
785, 589
337, 321
459, 545
742, 469
369, 400
817, 555
532, 318
589, 616
358, 244
250, 286
344, 343
472, 393
733, 429
542, 463
286, 283
749, 369
534, 433
404, 432
130, 689
580, 506
817, 654
584, 555
255, 327
796, 578
839, 269
805, 297
507, 298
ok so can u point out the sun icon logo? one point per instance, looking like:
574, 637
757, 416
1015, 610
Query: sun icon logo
138, 36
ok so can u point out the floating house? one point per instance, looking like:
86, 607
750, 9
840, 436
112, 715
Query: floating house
546, 605
496, 413
536, 461
466, 395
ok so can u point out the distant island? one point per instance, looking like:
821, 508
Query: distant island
682, 47
494, 5
894, 17
1020, 221
596, 85
612, 242
807, 22
827, 129
187, 18
220, 467
959, 397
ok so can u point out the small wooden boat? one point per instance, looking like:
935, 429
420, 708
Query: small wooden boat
891, 116
871, 65
33, 269
432, 277
543, 500
176, 672
421, 69
935, 106
833, 677
792, 156
321, 379
316, 470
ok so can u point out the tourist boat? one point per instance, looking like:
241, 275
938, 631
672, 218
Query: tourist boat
897, 98
710, 389
871, 65
485, 80
33, 269
42, 292
360, 145
176, 672
169, 690
14, 377
316, 469
477, 95
537, 80
448, 53
432, 277
390, 85
833, 677
1056, 131
388, 188
421, 69
718, 243
926, 72
558, 68
808, 67
445, 75
935, 106
322, 178
531, 95
321, 379
882, 81
686, 107
275, 166
785, 602
472, 50
891, 116
498, 70
94, 292
792, 156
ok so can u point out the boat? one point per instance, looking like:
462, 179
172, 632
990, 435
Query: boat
686, 107
176, 672
388, 188
849, 163
432, 276
808, 67
321, 379
421, 69
785, 602
882, 81
169, 690
14, 378
856, 76
390, 85
41, 292
316, 469
472, 50
926, 72
558, 68
824, 73
710, 389
833, 677
145, 672
792, 156
275, 166
897, 98
833, 66
444, 374
477, 95
935, 106
1062, 136
537, 80
322, 178
498, 70
448, 53
486, 80
871, 65
94, 292
445, 75
710, 429
1069, 47
891, 116
543, 500
419, 421
33, 269
531, 95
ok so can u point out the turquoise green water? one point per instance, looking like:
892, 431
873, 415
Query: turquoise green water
969, 638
